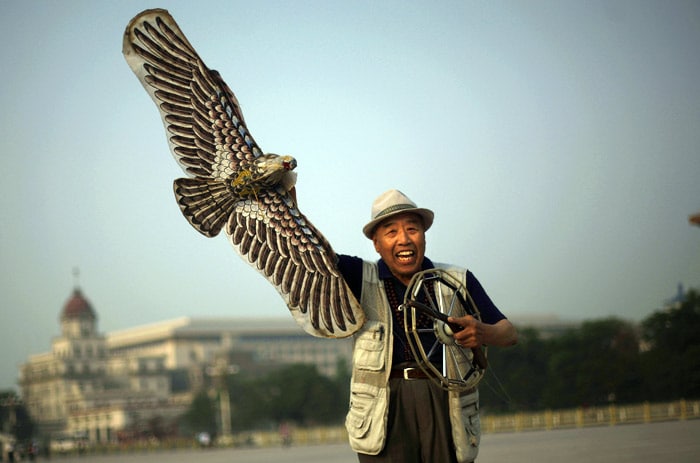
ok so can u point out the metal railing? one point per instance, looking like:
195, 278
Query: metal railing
592, 416
610, 415
535, 421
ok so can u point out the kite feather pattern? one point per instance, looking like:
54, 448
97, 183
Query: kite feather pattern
231, 185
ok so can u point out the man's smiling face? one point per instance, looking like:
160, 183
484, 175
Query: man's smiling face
400, 241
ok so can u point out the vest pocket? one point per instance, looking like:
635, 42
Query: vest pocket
359, 417
472, 422
365, 421
368, 353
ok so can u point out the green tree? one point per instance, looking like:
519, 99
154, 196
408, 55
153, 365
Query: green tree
594, 364
343, 374
591, 364
14, 417
598, 362
671, 362
250, 408
563, 367
201, 415
517, 375
610, 364
295, 393
302, 395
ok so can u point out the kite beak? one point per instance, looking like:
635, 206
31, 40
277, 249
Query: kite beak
289, 163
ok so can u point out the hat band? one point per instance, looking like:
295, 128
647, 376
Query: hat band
394, 208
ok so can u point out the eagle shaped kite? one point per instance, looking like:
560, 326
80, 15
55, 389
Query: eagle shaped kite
232, 185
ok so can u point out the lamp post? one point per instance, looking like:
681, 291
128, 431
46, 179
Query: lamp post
220, 371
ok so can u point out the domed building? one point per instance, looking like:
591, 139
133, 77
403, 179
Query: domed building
78, 319
101, 388
80, 388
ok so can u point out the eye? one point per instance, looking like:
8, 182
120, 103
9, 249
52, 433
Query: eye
391, 231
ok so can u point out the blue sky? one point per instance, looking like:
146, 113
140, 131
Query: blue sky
556, 141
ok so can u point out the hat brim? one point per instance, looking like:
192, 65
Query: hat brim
426, 214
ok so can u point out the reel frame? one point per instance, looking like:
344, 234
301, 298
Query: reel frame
463, 368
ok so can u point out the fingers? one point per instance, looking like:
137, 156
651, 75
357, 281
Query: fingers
464, 320
469, 335
467, 341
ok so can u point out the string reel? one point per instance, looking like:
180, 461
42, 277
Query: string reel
439, 295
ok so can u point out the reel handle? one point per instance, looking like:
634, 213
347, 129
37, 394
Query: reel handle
479, 357
478, 352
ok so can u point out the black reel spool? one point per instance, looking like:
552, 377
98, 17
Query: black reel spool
446, 296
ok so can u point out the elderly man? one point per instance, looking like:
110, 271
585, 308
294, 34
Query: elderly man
397, 414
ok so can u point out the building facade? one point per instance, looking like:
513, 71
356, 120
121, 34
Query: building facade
101, 386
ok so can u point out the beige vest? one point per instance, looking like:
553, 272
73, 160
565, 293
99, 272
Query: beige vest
366, 421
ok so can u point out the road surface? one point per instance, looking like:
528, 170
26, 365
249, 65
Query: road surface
668, 442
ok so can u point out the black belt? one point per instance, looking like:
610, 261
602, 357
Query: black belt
408, 373
417, 373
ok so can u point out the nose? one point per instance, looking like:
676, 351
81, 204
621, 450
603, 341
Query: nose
403, 236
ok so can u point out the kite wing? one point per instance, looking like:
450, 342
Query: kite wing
231, 184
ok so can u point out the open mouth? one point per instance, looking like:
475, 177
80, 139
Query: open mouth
403, 256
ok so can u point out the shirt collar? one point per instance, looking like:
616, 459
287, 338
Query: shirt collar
385, 273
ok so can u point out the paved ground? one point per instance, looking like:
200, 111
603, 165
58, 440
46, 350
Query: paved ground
668, 442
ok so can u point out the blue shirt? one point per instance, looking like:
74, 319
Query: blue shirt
351, 269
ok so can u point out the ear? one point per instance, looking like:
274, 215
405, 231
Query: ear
376, 244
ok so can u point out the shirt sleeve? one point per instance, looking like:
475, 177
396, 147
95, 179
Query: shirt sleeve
488, 310
351, 269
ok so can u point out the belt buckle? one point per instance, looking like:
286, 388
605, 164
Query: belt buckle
406, 371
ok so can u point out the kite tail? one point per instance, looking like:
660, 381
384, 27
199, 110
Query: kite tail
205, 203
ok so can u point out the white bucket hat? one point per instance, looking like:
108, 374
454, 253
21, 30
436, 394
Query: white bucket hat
391, 203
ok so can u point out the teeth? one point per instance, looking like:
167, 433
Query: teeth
405, 254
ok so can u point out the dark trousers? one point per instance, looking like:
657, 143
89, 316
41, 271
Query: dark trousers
418, 428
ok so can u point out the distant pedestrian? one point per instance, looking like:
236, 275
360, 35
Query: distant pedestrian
204, 439
285, 435
10, 448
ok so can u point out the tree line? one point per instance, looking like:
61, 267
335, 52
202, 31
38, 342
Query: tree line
296, 394
600, 362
